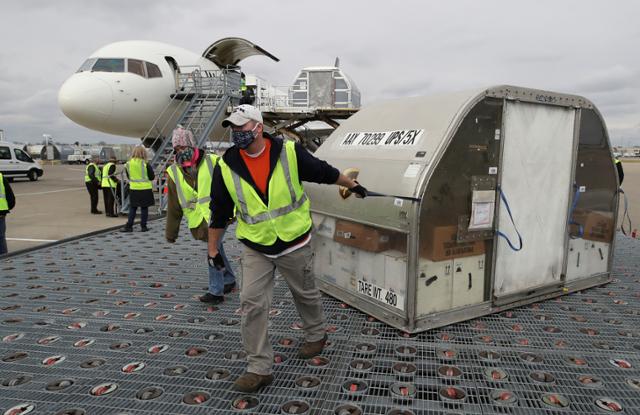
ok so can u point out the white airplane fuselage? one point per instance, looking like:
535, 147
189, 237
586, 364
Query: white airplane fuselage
121, 92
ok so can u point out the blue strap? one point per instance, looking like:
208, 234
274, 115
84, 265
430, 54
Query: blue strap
625, 215
576, 196
506, 204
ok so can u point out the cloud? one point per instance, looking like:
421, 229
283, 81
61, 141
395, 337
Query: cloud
610, 79
413, 47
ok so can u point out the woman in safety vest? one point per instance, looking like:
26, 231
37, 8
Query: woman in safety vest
189, 194
140, 176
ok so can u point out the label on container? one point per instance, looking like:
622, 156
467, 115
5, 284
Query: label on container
381, 294
412, 170
397, 138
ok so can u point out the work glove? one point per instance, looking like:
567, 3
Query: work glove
216, 261
359, 190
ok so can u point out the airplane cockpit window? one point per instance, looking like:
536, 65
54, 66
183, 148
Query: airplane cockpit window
109, 65
135, 66
87, 65
153, 71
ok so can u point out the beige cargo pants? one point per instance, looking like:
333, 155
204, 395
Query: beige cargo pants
256, 294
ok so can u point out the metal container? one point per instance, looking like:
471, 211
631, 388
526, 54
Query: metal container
517, 203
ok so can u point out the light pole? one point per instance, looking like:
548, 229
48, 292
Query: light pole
47, 138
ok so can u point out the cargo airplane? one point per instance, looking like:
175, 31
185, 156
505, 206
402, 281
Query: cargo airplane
123, 87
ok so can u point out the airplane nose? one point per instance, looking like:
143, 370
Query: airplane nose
86, 100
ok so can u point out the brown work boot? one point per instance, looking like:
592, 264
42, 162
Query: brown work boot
311, 349
251, 382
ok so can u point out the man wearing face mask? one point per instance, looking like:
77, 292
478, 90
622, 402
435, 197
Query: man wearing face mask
189, 193
261, 177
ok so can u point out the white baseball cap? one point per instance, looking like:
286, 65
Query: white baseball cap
242, 114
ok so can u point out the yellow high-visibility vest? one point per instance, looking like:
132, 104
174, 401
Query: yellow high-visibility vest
96, 173
106, 180
195, 203
4, 204
137, 172
287, 215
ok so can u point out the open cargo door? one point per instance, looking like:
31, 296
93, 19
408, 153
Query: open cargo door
232, 50
536, 181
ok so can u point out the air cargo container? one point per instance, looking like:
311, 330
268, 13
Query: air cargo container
515, 201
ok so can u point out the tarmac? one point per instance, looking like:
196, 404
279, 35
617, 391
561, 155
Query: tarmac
53, 208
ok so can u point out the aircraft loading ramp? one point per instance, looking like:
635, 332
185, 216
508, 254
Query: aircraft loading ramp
110, 324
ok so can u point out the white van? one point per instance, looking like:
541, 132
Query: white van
80, 157
15, 162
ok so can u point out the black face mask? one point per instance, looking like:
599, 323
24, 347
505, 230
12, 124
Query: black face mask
243, 139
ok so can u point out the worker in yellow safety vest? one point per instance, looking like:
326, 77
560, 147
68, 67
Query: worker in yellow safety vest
189, 194
248, 94
140, 176
243, 82
7, 202
92, 180
109, 187
261, 177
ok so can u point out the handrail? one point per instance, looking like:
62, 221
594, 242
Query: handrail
195, 84
209, 86
205, 95
190, 83
280, 98
162, 113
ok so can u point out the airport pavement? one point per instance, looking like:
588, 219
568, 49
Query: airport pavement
57, 206
53, 208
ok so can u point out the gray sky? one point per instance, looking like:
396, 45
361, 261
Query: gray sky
391, 49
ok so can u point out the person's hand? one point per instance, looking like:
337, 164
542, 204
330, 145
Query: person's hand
216, 261
359, 190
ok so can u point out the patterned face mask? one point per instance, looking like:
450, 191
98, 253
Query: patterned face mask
243, 139
185, 156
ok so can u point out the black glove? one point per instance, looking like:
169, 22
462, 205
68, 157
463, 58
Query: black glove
216, 261
360, 191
